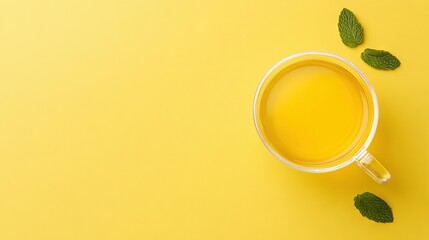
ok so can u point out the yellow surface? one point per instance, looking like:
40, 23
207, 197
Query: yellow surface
133, 120
314, 112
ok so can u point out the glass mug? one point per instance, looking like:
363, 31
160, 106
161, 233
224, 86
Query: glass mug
317, 112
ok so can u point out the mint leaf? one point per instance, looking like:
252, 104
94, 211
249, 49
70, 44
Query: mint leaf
373, 207
351, 32
380, 59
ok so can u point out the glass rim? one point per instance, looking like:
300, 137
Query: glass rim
317, 169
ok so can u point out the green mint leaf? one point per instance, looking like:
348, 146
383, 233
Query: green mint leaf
373, 207
380, 59
351, 32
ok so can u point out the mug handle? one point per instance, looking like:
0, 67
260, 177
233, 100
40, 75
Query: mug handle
372, 167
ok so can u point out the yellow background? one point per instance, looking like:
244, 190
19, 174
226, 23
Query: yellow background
132, 119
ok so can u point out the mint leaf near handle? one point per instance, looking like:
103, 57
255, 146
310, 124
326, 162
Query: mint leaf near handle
373, 207
351, 32
380, 59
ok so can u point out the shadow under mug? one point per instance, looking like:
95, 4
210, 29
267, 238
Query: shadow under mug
284, 71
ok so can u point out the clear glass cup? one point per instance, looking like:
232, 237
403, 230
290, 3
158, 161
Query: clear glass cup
359, 155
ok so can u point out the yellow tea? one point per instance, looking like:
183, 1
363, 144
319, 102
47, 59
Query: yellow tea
315, 112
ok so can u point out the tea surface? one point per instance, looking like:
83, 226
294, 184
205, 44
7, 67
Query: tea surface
314, 112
